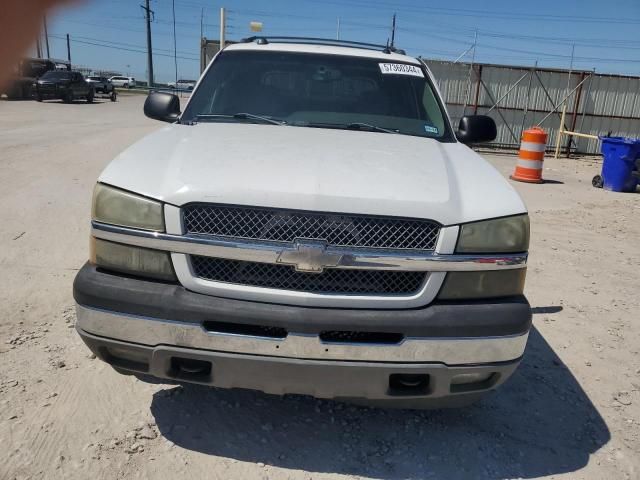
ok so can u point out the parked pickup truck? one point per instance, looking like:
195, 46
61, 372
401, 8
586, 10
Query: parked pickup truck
310, 223
100, 84
64, 85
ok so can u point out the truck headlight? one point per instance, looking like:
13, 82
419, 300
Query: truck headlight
117, 207
502, 235
131, 260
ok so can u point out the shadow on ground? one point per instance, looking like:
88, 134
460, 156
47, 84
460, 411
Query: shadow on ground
540, 423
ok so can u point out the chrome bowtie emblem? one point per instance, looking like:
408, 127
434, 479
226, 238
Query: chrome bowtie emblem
309, 256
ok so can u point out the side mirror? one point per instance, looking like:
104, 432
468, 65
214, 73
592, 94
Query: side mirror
162, 106
476, 129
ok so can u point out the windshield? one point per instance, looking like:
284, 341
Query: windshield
54, 75
319, 90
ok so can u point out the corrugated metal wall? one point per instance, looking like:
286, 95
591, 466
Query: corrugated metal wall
606, 103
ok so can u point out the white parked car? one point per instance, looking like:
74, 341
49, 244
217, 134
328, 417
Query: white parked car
310, 223
186, 84
123, 82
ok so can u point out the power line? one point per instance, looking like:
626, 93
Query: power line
594, 42
105, 44
458, 12
125, 44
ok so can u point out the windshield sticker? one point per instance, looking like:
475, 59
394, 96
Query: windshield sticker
430, 129
400, 69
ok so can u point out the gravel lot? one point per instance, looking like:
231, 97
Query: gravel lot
571, 411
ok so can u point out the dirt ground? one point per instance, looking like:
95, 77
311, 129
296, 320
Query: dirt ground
572, 410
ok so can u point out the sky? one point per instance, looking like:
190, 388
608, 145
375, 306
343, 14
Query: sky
605, 36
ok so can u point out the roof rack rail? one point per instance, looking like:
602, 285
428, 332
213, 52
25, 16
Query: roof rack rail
260, 40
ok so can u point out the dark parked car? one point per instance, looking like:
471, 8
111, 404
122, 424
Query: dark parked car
64, 85
100, 84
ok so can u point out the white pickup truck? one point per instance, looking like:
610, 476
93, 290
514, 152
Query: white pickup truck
310, 223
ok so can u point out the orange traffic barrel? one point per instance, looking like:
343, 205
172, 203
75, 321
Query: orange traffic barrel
531, 156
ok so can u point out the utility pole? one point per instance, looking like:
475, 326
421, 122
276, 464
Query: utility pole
175, 43
223, 27
393, 31
38, 47
46, 35
564, 108
475, 45
203, 43
338, 30
69, 50
471, 70
148, 13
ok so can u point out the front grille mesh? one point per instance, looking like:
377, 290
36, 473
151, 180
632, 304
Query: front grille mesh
285, 277
344, 230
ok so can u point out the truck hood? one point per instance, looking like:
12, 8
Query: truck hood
314, 169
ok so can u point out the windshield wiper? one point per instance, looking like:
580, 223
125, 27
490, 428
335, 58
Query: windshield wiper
241, 116
351, 126
368, 126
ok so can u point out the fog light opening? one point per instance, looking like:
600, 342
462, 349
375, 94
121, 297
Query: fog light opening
190, 369
408, 384
126, 358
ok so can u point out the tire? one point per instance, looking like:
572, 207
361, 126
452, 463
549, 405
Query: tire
90, 96
597, 181
38, 97
114, 96
68, 98
14, 92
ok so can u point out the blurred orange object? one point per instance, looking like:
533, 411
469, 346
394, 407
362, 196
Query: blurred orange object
20, 24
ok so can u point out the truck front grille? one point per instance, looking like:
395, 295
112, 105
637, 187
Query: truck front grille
285, 277
343, 230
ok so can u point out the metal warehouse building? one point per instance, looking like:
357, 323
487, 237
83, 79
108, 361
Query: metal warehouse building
519, 97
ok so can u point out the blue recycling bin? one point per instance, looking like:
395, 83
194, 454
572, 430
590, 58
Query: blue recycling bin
620, 157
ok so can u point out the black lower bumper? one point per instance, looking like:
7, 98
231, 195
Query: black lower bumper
488, 318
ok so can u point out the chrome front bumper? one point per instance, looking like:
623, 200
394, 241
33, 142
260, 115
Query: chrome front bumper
155, 332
